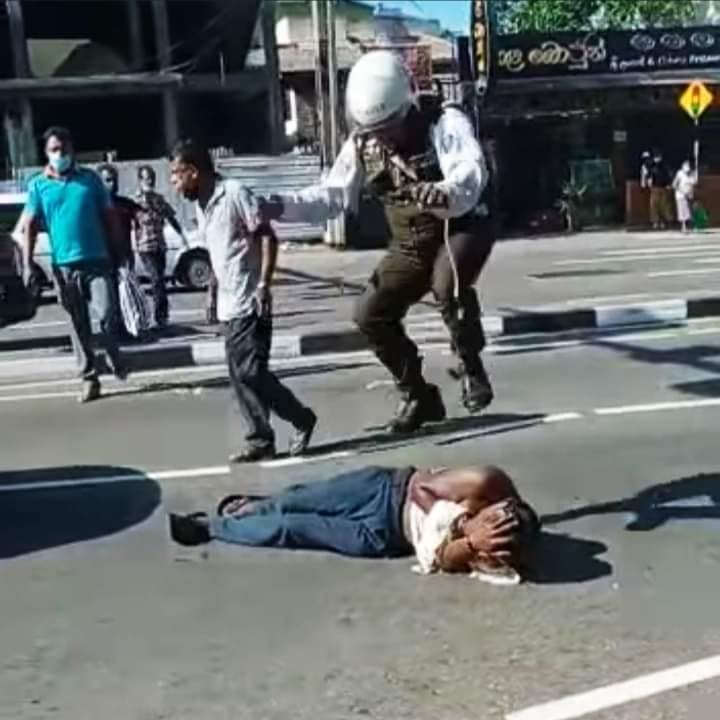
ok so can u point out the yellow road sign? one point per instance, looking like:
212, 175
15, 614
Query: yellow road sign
696, 99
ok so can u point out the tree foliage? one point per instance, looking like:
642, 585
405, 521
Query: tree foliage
578, 15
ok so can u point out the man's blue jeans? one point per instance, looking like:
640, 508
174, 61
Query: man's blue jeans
85, 290
358, 513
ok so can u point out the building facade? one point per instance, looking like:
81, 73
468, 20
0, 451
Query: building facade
128, 77
582, 107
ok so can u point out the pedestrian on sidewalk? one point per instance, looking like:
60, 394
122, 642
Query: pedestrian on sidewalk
243, 254
684, 187
427, 169
461, 520
154, 211
125, 211
74, 206
660, 212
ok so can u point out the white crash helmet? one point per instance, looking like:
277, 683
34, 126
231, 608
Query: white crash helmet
379, 90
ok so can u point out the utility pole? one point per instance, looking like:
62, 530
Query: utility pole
272, 67
164, 57
18, 115
326, 92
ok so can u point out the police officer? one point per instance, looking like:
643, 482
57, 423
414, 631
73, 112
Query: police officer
427, 170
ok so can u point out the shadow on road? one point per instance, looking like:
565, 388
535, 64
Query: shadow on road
38, 514
699, 357
652, 507
561, 559
222, 381
377, 439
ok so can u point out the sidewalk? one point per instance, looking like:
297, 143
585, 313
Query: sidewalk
538, 285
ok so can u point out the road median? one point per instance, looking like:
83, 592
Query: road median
344, 337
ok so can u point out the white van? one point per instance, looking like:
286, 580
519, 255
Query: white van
189, 267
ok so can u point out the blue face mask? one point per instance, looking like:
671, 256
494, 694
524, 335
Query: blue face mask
60, 163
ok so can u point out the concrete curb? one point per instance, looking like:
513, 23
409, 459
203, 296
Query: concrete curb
287, 345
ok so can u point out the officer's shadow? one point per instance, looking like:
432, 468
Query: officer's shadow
447, 432
654, 506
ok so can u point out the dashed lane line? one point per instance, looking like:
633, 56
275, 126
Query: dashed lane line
621, 693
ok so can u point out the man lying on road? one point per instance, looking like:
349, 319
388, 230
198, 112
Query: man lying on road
463, 520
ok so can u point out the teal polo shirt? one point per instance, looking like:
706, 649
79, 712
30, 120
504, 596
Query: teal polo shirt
71, 207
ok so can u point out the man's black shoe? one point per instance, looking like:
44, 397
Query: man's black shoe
417, 408
190, 529
253, 453
477, 393
303, 435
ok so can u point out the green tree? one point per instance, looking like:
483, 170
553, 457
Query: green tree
577, 15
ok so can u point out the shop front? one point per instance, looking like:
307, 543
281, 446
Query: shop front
570, 115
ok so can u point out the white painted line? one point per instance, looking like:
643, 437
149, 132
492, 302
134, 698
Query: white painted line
38, 396
672, 273
660, 311
36, 326
379, 383
635, 257
562, 417
644, 686
689, 247
159, 475
658, 407
707, 260
304, 459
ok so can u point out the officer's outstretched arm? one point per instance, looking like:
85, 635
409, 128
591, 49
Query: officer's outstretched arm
462, 163
337, 192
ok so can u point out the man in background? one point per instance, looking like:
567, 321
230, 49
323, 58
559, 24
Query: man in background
125, 211
154, 211
74, 206
660, 183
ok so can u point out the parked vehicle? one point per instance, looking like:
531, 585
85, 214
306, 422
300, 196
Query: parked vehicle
17, 303
188, 267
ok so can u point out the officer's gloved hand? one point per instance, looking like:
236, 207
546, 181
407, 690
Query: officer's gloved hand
429, 195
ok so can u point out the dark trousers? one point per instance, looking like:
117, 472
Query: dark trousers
257, 389
86, 291
154, 264
401, 279
358, 513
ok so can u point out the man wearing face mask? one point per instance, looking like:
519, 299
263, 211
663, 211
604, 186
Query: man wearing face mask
71, 202
425, 169
154, 211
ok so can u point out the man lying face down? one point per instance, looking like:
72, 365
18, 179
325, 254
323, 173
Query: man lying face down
462, 520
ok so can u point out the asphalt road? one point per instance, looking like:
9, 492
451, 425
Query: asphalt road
590, 269
611, 436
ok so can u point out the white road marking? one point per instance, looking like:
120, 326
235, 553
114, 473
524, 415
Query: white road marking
36, 326
562, 417
224, 470
378, 383
707, 260
635, 257
672, 273
644, 686
658, 407
662, 249
159, 475
304, 459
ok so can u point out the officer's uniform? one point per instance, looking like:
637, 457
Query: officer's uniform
440, 148
417, 261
